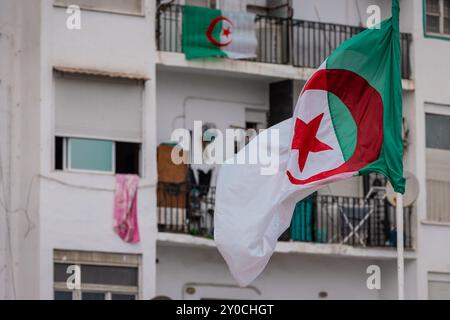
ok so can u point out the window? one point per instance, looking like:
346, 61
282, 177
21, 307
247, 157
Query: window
438, 131
134, 7
438, 201
88, 154
98, 123
438, 162
104, 276
437, 17
76, 154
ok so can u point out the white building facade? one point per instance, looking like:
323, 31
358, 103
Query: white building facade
81, 103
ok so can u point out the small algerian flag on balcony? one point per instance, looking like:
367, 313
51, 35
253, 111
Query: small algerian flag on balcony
215, 33
347, 122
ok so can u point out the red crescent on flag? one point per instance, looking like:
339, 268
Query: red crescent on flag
366, 107
211, 28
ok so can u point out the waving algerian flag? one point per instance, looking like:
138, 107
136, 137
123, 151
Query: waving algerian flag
347, 122
215, 33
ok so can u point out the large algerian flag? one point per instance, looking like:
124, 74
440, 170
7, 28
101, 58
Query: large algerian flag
215, 33
347, 122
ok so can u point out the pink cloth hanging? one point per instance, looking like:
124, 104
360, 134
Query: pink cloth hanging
125, 208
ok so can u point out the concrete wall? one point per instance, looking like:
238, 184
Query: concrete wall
349, 12
82, 218
287, 276
65, 211
235, 5
42, 214
432, 76
8, 44
180, 91
19, 147
6, 51
26, 151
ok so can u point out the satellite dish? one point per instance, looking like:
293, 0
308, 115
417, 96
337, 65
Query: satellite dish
411, 191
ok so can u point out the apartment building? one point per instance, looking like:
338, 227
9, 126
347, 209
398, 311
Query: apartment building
79, 105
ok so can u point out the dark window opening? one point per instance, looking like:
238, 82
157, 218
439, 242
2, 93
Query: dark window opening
127, 157
92, 296
59, 156
116, 296
251, 125
99, 274
63, 295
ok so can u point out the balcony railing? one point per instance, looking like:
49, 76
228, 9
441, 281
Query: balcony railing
183, 208
293, 42
318, 219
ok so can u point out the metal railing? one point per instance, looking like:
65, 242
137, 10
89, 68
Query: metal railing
184, 208
299, 43
347, 220
318, 219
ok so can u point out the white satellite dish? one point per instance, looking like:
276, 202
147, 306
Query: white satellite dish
411, 191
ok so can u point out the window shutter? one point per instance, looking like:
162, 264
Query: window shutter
119, 6
98, 107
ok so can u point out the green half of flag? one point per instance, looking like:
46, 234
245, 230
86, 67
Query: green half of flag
359, 88
198, 30
215, 33
375, 56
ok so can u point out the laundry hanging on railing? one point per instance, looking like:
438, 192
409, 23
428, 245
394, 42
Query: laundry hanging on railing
215, 33
125, 208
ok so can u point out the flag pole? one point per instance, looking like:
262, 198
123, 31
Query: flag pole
399, 199
400, 248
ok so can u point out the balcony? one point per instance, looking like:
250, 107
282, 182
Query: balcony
298, 43
323, 219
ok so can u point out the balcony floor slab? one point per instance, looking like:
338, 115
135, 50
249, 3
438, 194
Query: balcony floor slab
247, 69
293, 247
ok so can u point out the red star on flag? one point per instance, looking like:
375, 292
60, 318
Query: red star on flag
305, 140
226, 32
